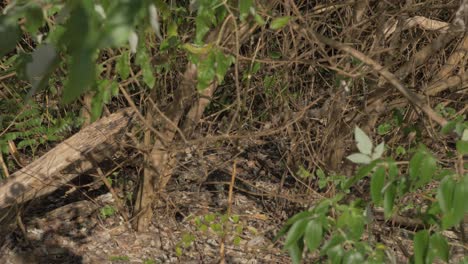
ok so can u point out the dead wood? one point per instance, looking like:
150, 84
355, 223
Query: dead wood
65, 161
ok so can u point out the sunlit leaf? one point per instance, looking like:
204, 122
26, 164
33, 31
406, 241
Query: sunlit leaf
359, 158
259, 19
464, 136
364, 143
154, 20
279, 22
197, 49
462, 147
378, 151
133, 41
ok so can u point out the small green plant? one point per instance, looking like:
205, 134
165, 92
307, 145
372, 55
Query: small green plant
149, 261
222, 226
107, 211
324, 180
334, 229
396, 121
119, 258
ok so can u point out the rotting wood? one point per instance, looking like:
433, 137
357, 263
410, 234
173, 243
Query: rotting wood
66, 161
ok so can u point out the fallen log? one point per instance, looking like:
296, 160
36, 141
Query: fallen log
67, 160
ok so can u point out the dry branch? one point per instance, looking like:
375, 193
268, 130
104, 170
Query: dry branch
161, 164
65, 161
415, 99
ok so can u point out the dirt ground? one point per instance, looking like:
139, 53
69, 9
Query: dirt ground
73, 226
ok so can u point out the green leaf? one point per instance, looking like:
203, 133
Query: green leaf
464, 136
378, 151
296, 231
299, 216
462, 146
96, 106
303, 173
353, 257
459, 207
364, 144
335, 240
352, 221
44, 60
119, 24
445, 194
236, 241
335, 254
10, 32
439, 247
34, 19
81, 31
244, 8
359, 158
421, 168
123, 65
143, 59
148, 76
259, 19
222, 63
361, 173
291, 221
400, 150
295, 251
313, 235
376, 185
389, 199
427, 169
203, 22
392, 170
107, 211
279, 22
449, 127
82, 74
421, 244
384, 128
206, 71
